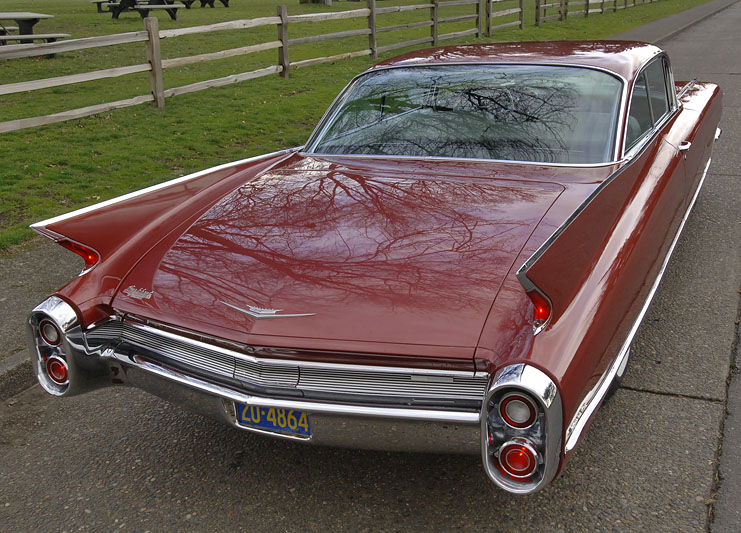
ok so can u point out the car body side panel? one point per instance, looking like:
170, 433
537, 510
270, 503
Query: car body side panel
599, 272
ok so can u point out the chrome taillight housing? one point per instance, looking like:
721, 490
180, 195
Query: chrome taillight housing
521, 429
47, 326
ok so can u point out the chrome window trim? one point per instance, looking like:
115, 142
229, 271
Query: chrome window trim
657, 126
331, 110
595, 396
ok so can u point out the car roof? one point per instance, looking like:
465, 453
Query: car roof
624, 58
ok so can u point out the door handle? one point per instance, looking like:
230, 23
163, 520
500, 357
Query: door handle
684, 146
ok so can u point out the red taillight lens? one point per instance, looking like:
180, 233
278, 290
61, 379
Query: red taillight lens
542, 306
90, 256
517, 410
518, 458
56, 367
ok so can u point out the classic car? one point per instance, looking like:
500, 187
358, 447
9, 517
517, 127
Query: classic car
456, 260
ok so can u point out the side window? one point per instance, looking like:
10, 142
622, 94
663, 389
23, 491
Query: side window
650, 102
657, 90
639, 117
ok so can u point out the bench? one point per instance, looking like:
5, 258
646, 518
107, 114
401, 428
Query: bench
48, 37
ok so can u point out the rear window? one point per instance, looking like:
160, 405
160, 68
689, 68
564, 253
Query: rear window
534, 113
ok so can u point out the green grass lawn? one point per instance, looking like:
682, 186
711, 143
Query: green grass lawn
53, 169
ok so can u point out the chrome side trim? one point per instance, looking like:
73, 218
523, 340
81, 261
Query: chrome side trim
36, 226
540, 387
459, 417
594, 398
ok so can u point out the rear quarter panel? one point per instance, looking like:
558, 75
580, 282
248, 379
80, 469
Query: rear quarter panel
599, 272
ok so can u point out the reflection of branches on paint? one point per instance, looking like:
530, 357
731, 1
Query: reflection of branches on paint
348, 234
530, 114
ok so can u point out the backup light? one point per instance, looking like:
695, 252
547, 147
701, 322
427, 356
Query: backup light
50, 333
517, 410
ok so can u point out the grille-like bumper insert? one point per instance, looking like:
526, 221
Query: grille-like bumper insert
324, 378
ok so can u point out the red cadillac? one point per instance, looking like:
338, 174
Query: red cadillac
457, 259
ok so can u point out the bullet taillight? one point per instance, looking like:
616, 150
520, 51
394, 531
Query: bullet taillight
541, 309
518, 458
57, 369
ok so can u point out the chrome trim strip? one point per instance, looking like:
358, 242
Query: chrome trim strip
458, 417
36, 226
619, 126
594, 398
469, 159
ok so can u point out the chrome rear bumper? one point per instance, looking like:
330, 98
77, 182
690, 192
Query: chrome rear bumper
417, 410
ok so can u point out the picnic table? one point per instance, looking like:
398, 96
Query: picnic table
144, 8
25, 20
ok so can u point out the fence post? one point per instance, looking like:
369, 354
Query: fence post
480, 13
602, 7
372, 42
154, 56
433, 16
488, 18
586, 8
522, 14
537, 12
283, 38
565, 9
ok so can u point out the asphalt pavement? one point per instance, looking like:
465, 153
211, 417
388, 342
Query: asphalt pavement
663, 455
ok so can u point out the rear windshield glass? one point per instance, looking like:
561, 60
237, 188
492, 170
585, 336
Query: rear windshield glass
533, 113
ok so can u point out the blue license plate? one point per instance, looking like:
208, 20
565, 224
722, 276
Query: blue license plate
274, 420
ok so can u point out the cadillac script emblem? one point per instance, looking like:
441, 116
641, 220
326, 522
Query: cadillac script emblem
261, 312
137, 294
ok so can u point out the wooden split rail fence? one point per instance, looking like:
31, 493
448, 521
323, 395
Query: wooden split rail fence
485, 16
565, 8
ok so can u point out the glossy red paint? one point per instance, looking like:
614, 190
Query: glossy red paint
398, 257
